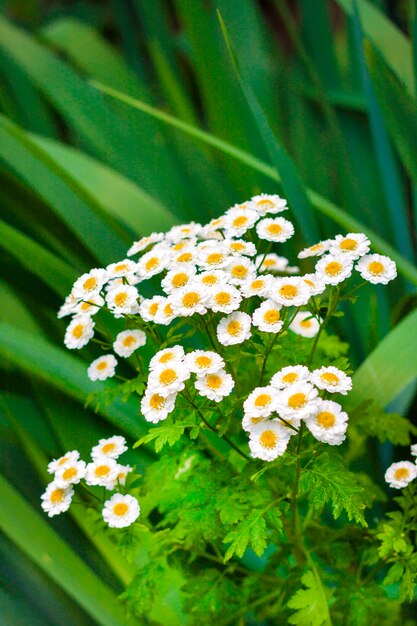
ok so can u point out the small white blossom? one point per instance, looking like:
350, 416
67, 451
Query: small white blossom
353, 245
213, 256
204, 362
185, 257
215, 386
268, 440
315, 284
56, 500
122, 299
277, 229
267, 317
166, 312
400, 474
183, 231
103, 471
248, 422
331, 379
168, 379
128, 341
239, 247
377, 269
89, 284
413, 449
238, 221
65, 459
69, 474
261, 402
289, 375
291, 291
305, 324
148, 308
177, 278
167, 356
224, 299
240, 270
332, 269
156, 407
79, 332
111, 447
271, 263
315, 250
328, 423
298, 400
234, 329
91, 306
145, 242
266, 203
121, 269
102, 368
189, 300
121, 511
211, 279
152, 263
258, 286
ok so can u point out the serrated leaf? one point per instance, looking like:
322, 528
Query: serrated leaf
373, 421
251, 532
310, 603
164, 435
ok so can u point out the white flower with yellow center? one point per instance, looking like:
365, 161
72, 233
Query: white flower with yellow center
234, 329
413, 449
266, 203
305, 324
145, 242
377, 269
258, 286
332, 269
275, 229
152, 263
121, 511
261, 402
211, 230
238, 221
166, 312
185, 257
267, 317
177, 278
112, 447
271, 263
291, 291
215, 386
124, 470
121, 269
167, 356
103, 471
122, 299
328, 423
400, 474
168, 378
148, 308
69, 307
239, 247
70, 474
315, 250
212, 279
102, 368
67, 458
90, 306
89, 284
128, 341
183, 245
224, 299
248, 422
156, 407
268, 440
298, 400
331, 379
189, 300
56, 500
204, 362
213, 257
290, 375
353, 245
314, 283
240, 270
183, 231
79, 332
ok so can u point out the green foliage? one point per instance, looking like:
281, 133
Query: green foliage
310, 604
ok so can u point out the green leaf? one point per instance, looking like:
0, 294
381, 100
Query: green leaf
164, 435
310, 603
251, 532
373, 421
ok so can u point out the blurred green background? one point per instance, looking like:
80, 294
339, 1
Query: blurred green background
322, 109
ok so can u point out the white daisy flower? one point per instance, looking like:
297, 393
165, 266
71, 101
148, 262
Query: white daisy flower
187, 256
289, 375
316, 250
183, 231
215, 386
291, 291
89, 284
90, 306
102, 368
413, 449
183, 246
314, 283
168, 378
211, 230
211, 279
248, 422
103, 471
298, 400
258, 286
271, 263
121, 269
56, 500
400, 474
124, 470
189, 300
305, 324
354, 245
175, 354
268, 440
204, 362
267, 317
69, 307
122, 299
238, 221
234, 329
121, 511
111, 447
275, 229
148, 308
156, 407
331, 379
128, 341
240, 270
69, 474
177, 278
213, 257
152, 263
328, 423
261, 402
79, 332
266, 203
224, 299
376, 268
67, 458
145, 242
239, 247
332, 269
166, 312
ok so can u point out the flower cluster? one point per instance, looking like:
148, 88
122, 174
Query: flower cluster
400, 474
104, 470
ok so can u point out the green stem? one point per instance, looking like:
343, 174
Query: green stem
299, 551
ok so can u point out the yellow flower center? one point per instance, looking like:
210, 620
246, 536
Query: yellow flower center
239, 271
290, 378
317, 247
90, 283
179, 280
101, 366
153, 309
326, 419
209, 280
203, 361
57, 495
179, 246
333, 268
265, 203
69, 473
288, 291
263, 400
120, 298
258, 283
120, 509
129, 341
401, 473
213, 381
305, 323
268, 439
240, 221
297, 400
165, 358
274, 229
223, 298
168, 310
185, 230
191, 299
152, 263
168, 376
309, 282
272, 316
185, 258
348, 244
234, 327
78, 331
215, 257
329, 378
108, 447
256, 420
156, 402
63, 460
85, 306
121, 267
102, 470
376, 268
237, 246
269, 262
